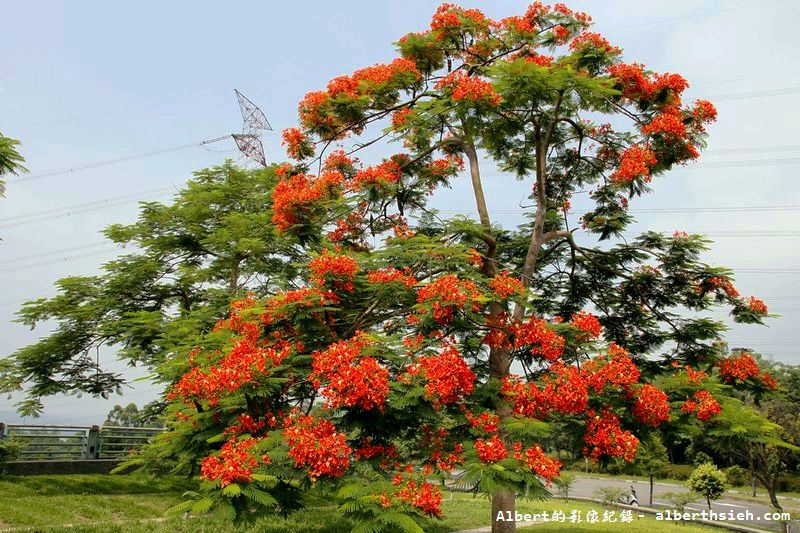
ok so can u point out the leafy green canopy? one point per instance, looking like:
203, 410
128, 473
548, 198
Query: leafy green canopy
188, 260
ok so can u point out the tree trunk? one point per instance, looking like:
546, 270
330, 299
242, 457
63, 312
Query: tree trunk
752, 471
503, 508
503, 503
773, 499
708, 501
651, 490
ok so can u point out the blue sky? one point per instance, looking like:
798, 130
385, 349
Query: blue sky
161, 74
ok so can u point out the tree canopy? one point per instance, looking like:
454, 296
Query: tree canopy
390, 345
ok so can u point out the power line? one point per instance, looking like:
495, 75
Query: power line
685, 17
154, 104
87, 207
757, 150
754, 94
119, 159
54, 252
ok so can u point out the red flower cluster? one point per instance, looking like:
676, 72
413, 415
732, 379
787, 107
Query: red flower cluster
528, 399
400, 116
448, 377
372, 79
541, 463
503, 285
465, 87
448, 294
668, 122
296, 143
593, 39
539, 338
244, 364
486, 421
740, 368
233, 465
245, 424
640, 85
704, 111
392, 275
315, 444
726, 285
704, 405
446, 166
565, 389
278, 307
541, 60
426, 497
651, 406
695, 376
294, 199
339, 269
587, 323
491, 450
605, 437
635, 162
757, 305
348, 383
618, 371
378, 176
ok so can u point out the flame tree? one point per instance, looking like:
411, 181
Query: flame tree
411, 347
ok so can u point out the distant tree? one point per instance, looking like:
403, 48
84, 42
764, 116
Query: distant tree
680, 500
10, 160
701, 458
564, 483
131, 416
214, 242
651, 460
708, 481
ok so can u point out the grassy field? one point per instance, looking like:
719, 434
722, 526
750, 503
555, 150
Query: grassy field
96, 503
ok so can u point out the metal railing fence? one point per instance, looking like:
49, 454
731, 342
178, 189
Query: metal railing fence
73, 443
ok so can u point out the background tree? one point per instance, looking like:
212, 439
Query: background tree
11, 162
189, 259
651, 461
708, 481
132, 416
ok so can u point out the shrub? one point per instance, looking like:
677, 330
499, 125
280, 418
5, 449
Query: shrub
708, 481
680, 500
737, 476
609, 495
701, 458
9, 451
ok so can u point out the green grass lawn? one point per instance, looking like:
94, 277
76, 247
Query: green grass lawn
96, 503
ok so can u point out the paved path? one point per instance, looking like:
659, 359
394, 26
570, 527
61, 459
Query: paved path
585, 487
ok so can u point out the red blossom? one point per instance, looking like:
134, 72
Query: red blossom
587, 323
593, 39
491, 450
448, 294
704, 405
739, 368
350, 380
426, 497
504, 286
651, 406
541, 463
315, 444
757, 305
605, 437
296, 143
448, 377
392, 275
635, 162
233, 465
725, 284
541, 340
340, 270
465, 87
